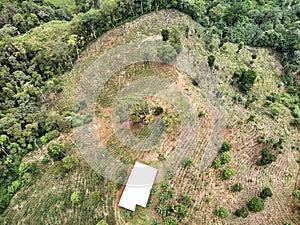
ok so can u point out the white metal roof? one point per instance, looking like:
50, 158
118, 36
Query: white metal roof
138, 186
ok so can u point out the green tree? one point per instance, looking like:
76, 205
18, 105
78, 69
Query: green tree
256, 204
266, 157
167, 53
56, 150
242, 212
227, 173
265, 193
226, 146
225, 157
222, 212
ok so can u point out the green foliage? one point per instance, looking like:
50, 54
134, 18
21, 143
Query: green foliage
252, 118
256, 204
227, 173
185, 199
56, 151
287, 223
69, 162
154, 222
167, 53
95, 197
240, 46
102, 222
76, 197
226, 146
165, 34
211, 61
57, 170
194, 82
30, 167
186, 162
170, 220
217, 163
139, 111
222, 213
242, 212
244, 79
153, 191
274, 111
201, 113
182, 212
296, 193
265, 193
266, 157
98, 178
158, 110
237, 187
161, 209
225, 157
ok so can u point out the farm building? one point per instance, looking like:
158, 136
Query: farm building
138, 186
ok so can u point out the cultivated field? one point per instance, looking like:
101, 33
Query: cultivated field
46, 199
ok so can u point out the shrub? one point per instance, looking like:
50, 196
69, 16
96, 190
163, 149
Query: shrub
95, 197
217, 163
237, 187
161, 209
266, 157
201, 113
222, 213
275, 111
296, 193
69, 162
170, 220
227, 173
45, 160
57, 170
158, 110
211, 61
56, 151
182, 211
165, 34
242, 212
225, 157
75, 197
52, 134
155, 222
265, 193
185, 199
194, 82
226, 146
256, 204
153, 191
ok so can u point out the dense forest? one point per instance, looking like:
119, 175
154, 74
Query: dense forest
32, 62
